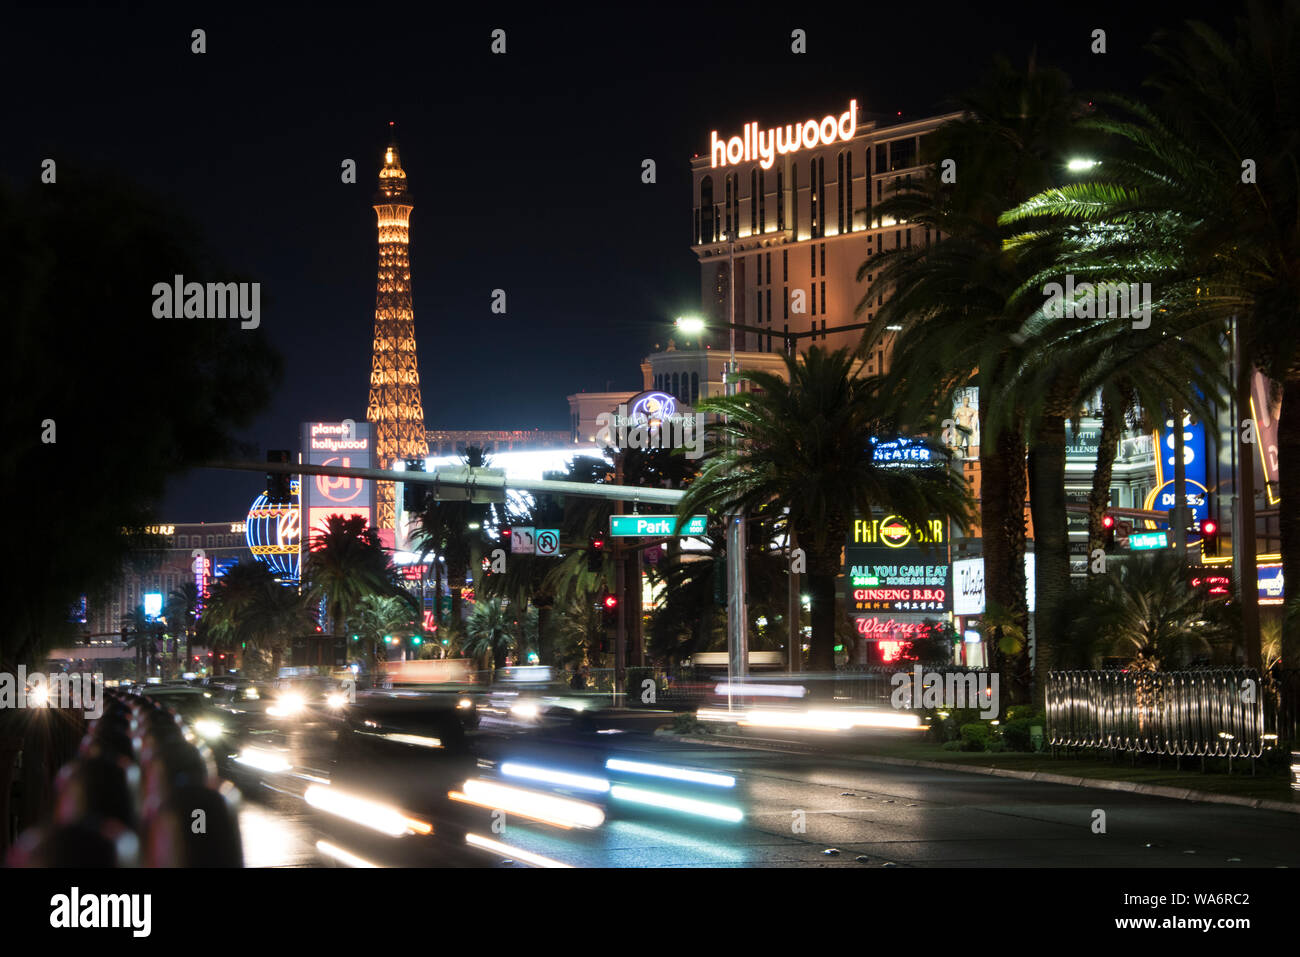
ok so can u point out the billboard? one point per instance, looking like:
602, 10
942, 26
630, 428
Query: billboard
968, 585
892, 567
963, 436
345, 444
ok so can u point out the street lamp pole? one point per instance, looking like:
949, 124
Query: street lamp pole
737, 610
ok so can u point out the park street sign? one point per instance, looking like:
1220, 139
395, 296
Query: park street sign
628, 526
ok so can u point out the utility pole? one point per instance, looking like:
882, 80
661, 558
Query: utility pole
737, 610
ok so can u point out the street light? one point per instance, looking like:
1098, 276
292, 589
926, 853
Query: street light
690, 325
1081, 165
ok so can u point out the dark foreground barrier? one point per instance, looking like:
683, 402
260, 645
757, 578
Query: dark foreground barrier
140, 792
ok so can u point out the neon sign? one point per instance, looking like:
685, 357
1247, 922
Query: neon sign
274, 533
765, 146
891, 630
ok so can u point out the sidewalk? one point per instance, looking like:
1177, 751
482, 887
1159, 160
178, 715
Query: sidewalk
1267, 790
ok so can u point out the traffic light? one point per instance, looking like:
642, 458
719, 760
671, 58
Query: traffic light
1108, 532
596, 555
277, 483
414, 494
506, 538
1209, 537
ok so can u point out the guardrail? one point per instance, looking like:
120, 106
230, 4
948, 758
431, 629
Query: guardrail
1217, 713
138, 792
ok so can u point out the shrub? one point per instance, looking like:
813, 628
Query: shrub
974, 736
1016, 730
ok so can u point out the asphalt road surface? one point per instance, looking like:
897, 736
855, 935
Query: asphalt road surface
796, 808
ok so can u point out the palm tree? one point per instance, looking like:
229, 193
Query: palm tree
1204, 193
954, 302
249, 610
141, 633
489, 632
1148, 608
377, 617
183, 612
347, 563
802, 445
579, 628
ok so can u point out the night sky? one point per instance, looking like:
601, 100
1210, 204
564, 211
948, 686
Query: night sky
525, 168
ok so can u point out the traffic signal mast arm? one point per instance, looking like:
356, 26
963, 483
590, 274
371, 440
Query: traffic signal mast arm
471, 479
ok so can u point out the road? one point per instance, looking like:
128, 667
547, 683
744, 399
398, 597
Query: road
797, 808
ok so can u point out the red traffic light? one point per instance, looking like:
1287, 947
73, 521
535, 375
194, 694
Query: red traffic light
1108, 521
598, 543
611, 601
506, 532
1209, 527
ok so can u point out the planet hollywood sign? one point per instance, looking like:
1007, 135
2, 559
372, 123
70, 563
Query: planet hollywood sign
766, 145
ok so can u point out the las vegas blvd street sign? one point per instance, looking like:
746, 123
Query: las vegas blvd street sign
627, 526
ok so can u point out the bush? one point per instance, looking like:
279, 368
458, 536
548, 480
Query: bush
974, 736
688, 724
952, 745
1016, 730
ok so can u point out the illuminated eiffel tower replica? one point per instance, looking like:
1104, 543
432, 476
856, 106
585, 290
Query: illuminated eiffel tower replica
394, 408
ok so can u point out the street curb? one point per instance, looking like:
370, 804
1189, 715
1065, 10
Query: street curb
1047, 777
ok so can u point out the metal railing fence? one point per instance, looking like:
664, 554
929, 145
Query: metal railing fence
1212, 713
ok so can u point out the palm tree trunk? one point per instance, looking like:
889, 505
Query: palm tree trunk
821, 588
1002, 527
1288, 453
1051, 539
1112, 427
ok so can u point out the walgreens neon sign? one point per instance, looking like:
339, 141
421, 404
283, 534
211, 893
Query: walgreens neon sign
765, 146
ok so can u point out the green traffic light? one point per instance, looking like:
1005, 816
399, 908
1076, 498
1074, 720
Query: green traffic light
446, 641
416, 640
388, 639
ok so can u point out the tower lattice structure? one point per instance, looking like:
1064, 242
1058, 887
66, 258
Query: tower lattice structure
394, 409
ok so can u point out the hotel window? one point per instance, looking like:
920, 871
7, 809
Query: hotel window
762, 202
769, 304
898, 239
823, 330
676, 391
848, 188
794, 199
821, 196
839, 179
785, 303
753, 201
769, 269
708, 212
780, 199
823, 296
758, 270
882, 160
909, 238
823, 259
812, 260
902, 153
695, 387
785, 265
728, 232
813, 287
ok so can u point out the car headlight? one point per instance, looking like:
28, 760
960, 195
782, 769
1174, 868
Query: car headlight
287, 705
464, 703
337, 700
208, 729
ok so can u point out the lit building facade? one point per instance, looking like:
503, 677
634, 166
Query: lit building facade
800, 204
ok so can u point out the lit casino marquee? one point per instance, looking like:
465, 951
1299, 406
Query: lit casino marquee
893, 567
274, 533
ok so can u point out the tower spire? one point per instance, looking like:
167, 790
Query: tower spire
395, 408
